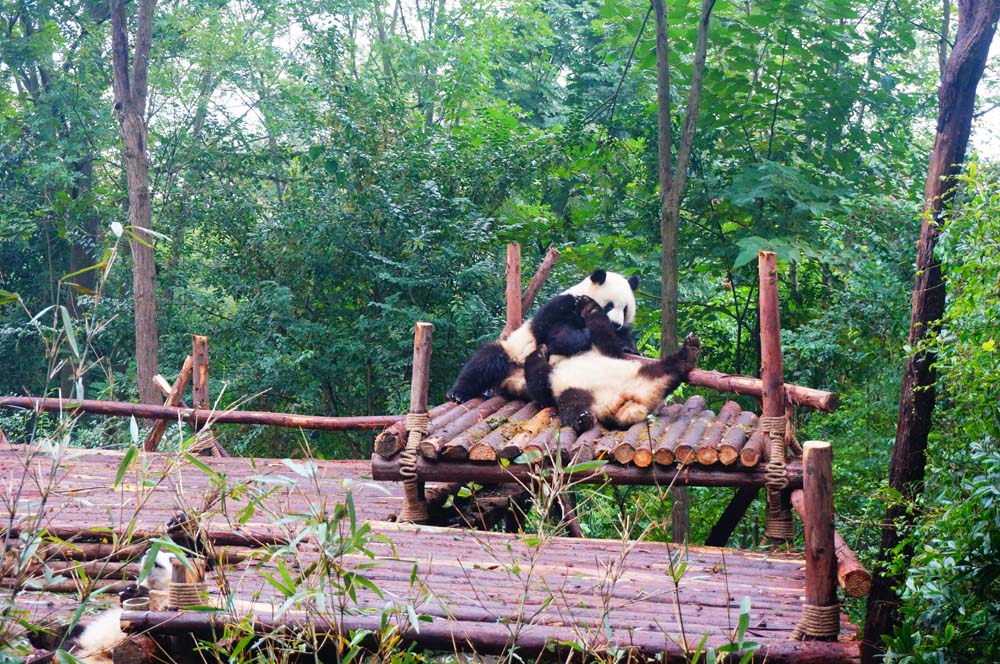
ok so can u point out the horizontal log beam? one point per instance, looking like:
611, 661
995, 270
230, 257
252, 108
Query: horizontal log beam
491, 473
754, 387
199, 418
543, 642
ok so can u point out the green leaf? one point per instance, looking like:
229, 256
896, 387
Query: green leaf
414, 620
133, 429
6, 297
70, 335
126, 462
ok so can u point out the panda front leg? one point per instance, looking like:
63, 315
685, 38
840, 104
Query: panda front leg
537, 375
484, 371
576, 409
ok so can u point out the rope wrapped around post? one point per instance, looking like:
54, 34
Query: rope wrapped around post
414, 505
779, 517
818, 623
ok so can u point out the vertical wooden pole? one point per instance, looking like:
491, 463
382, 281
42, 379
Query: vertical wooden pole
414, 503
420, 380
206, 442
513, 291
199, 388
779, 526
772, 370
821, 553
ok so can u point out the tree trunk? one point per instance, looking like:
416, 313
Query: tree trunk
130, 87
956, 102
671, 192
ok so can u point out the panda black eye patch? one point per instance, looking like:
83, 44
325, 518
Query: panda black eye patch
609, 306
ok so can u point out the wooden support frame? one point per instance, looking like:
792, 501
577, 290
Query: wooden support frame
205, 442
731, 516
494, 473
515, 315
173, 399
821, 558
851, 574
539, 278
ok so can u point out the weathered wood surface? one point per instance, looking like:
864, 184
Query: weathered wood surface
476, 586
491, 591
493, 429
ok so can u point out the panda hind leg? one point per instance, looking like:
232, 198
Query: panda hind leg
576, 410
482, 372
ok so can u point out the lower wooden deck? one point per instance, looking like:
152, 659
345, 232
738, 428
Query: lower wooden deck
296, 559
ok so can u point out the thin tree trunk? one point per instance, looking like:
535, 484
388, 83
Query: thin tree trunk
671, 193
130, 87
956, 102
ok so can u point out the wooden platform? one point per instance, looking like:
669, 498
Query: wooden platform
444, 588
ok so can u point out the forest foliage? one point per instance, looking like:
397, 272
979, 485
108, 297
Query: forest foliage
324, 174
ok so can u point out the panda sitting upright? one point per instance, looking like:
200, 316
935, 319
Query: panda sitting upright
498, 365
596, 386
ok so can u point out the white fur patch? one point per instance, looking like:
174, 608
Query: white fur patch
615, 291
520, 343
99, 637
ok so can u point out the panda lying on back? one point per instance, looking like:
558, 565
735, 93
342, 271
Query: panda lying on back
594, 387
498, 365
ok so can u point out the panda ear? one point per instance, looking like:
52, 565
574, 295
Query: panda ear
598, 276
633, 281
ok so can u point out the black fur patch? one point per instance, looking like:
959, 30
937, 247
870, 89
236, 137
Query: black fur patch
575, 409
484, 371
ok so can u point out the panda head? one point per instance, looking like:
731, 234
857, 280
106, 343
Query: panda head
159, 572
614, 292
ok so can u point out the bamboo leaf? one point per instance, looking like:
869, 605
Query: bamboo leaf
70, 335
6, 297
126, 462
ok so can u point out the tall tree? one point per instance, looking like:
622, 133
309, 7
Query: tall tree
130, 88
671, 193
956, 102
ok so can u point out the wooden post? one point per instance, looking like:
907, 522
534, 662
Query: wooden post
3, 438
205, 442
851, 574
173, 399
513, 292
414, 504
779, 526
821, 557
541, 274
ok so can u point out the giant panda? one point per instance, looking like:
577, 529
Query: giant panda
598, 387
94, 641
498, 365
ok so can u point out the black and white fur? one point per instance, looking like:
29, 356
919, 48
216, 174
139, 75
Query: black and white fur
597, 386
93, 642
498, 365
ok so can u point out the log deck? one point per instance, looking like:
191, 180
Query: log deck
476, 591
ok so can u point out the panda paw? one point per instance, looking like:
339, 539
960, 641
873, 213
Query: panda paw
692, 348
459, 397
587, 306
583, 422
